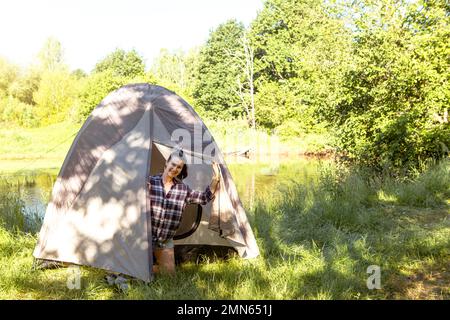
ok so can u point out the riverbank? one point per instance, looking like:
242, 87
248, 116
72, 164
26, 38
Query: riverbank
34, 149
41, 149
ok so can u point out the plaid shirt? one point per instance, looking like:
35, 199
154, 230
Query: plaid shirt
167, 209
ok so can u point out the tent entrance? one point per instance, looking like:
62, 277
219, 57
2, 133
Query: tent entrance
192, 214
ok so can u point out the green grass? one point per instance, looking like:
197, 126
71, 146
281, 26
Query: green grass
31, 149
317, 240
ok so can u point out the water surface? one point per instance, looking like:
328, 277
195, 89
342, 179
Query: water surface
252, 180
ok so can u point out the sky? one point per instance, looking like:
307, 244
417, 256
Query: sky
91, 29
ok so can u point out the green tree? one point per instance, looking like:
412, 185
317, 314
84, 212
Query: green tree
16, 95
15, 112
216, 85
8, 74
51, 56
301, 52
176, 71
122, 64
191, 62
55, 97
95, 89
397, 90
79, 73
170, 68
25, 85
117, 69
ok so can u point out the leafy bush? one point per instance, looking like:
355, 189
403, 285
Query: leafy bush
14, 111
97, 87
122, 64
396, 93
55, 97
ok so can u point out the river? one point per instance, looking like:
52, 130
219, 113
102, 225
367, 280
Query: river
252, 179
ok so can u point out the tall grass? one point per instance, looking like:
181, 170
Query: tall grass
317, 238
12, 207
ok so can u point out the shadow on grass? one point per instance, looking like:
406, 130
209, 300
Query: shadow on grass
349, 229
430, 281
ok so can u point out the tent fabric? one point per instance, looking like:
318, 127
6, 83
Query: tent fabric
99, 211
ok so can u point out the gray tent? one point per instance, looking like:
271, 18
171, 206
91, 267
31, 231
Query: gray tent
98, 214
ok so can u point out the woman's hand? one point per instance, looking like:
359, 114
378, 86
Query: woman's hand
216, 171
216, 176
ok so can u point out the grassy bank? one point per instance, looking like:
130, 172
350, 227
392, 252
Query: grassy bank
234, 135
31, 149
317, 241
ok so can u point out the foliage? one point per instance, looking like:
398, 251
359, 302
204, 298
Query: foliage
122, 64
170, 68
13, 110
276, 105
51, 56
301, 51
55, 97
176, 72
79, 74
397, 89
372, 73
216, 85
25, 85
95, 88
117, 69
8, 73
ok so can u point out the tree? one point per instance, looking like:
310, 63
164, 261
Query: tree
398, 83
55, 97
301, 48
245, 78
15, 112
215, 84
176, 71
79, 73
25, 85
51, 57
170, 68
16, 95
8, 74
122, 64
95, 88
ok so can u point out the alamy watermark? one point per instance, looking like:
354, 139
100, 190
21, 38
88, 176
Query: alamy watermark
374, 280
74, 278
202, 149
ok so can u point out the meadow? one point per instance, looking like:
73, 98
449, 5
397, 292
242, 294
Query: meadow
318, 236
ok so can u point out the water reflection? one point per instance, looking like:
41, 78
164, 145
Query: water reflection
252, 180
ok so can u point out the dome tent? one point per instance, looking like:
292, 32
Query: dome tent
99, 215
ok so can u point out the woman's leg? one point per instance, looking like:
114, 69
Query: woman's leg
165, 257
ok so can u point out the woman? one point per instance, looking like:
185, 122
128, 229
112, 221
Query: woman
168, 198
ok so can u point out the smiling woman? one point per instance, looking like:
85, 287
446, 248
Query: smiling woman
168, 198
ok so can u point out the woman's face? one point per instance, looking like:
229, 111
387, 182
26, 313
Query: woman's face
173, 167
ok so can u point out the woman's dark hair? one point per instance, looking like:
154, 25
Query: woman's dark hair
180, 154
